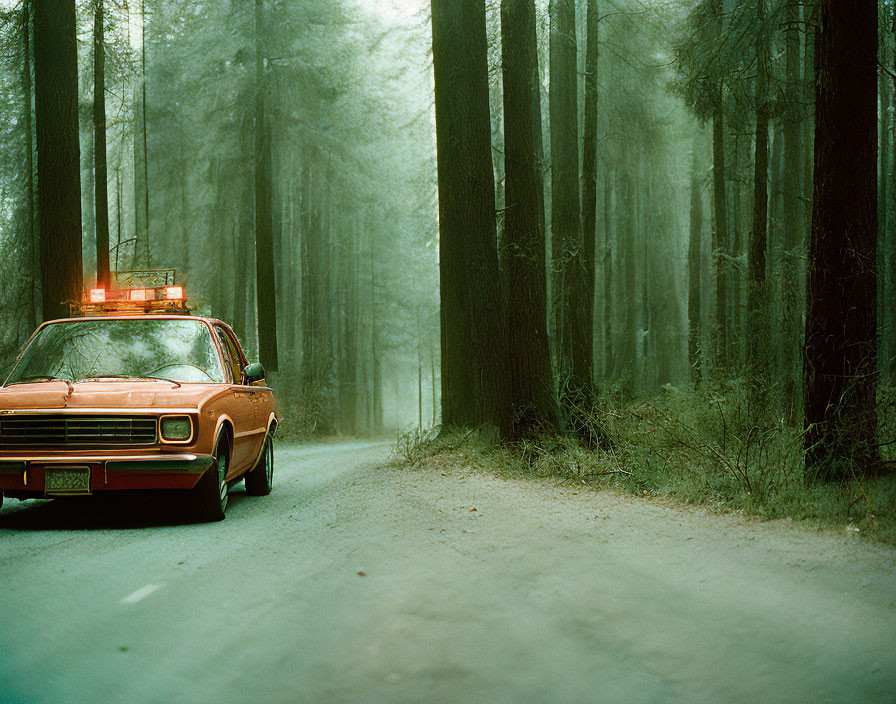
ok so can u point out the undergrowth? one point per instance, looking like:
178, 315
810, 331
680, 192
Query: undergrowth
718, 448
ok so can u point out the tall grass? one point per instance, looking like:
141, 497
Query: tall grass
723, 447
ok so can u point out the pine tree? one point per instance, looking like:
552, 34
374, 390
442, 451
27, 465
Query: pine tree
58, 154
474, 340
840, 354
531, 382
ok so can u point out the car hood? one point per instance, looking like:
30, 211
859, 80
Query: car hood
106, 394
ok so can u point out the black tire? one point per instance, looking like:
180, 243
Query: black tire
1, 499
260, 480
212, 492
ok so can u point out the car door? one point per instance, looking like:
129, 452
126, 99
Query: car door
248, 430
265, 405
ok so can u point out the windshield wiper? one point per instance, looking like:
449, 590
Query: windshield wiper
162, 378
38, 377
99, 377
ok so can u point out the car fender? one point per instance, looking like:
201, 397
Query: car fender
272, 421
222, 419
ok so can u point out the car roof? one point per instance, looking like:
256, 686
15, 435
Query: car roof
125, 316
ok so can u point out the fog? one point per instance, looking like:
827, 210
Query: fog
304, 133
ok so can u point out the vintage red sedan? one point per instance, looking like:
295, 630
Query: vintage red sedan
122, 401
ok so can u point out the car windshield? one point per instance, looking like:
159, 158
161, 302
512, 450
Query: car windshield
178, 350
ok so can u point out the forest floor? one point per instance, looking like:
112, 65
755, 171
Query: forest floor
357, 580
705, 449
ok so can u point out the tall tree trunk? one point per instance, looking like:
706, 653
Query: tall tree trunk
243, 241
774, 287
735, 274
142, 244
626, 239
307, 296
118, 216
720, 237
607, 272
101, 177
566, 224
432, 377
886, 270
58, 154
757, 313
264, 226
31, 234
890, 251
589, 177
141, 221
883, 201
720, 210
376, 376
474, 340
840, 375
810, 22
695, 283
531, 382
88, 192
147, 244
793, 239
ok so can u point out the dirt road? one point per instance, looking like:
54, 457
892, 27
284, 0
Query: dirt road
540, 594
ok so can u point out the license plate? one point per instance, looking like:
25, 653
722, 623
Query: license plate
67, 480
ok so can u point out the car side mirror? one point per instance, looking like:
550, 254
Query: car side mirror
253, 372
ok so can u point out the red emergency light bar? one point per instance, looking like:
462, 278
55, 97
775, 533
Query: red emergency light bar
159, 293
156, 299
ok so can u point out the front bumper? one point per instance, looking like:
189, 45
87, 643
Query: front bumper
24, 475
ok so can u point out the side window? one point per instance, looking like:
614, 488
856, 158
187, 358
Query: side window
230, 352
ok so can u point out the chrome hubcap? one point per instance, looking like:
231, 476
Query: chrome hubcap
222, 483
269, 462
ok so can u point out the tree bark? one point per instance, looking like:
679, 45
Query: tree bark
840, 375
243, 241
736, 305
31, 234
566, 224
307, 297
101, 177
142, 245
607, 271
793, 239
474, 340
882, 202
589, 179
531, 378
141, 190
266, 295
890, 251
695, 282
58, 154
627, 244
720, 236
376, 376
757, 314
720, 209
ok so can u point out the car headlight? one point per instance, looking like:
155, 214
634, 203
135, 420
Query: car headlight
176, 428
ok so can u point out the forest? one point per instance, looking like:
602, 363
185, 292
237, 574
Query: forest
627, 233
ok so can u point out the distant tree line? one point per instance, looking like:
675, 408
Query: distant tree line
259, 158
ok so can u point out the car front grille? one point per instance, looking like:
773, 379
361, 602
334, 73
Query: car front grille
46, 431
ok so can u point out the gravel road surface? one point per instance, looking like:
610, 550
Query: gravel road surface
353, 583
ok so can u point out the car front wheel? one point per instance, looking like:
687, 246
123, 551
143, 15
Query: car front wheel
212, 492
261, 479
